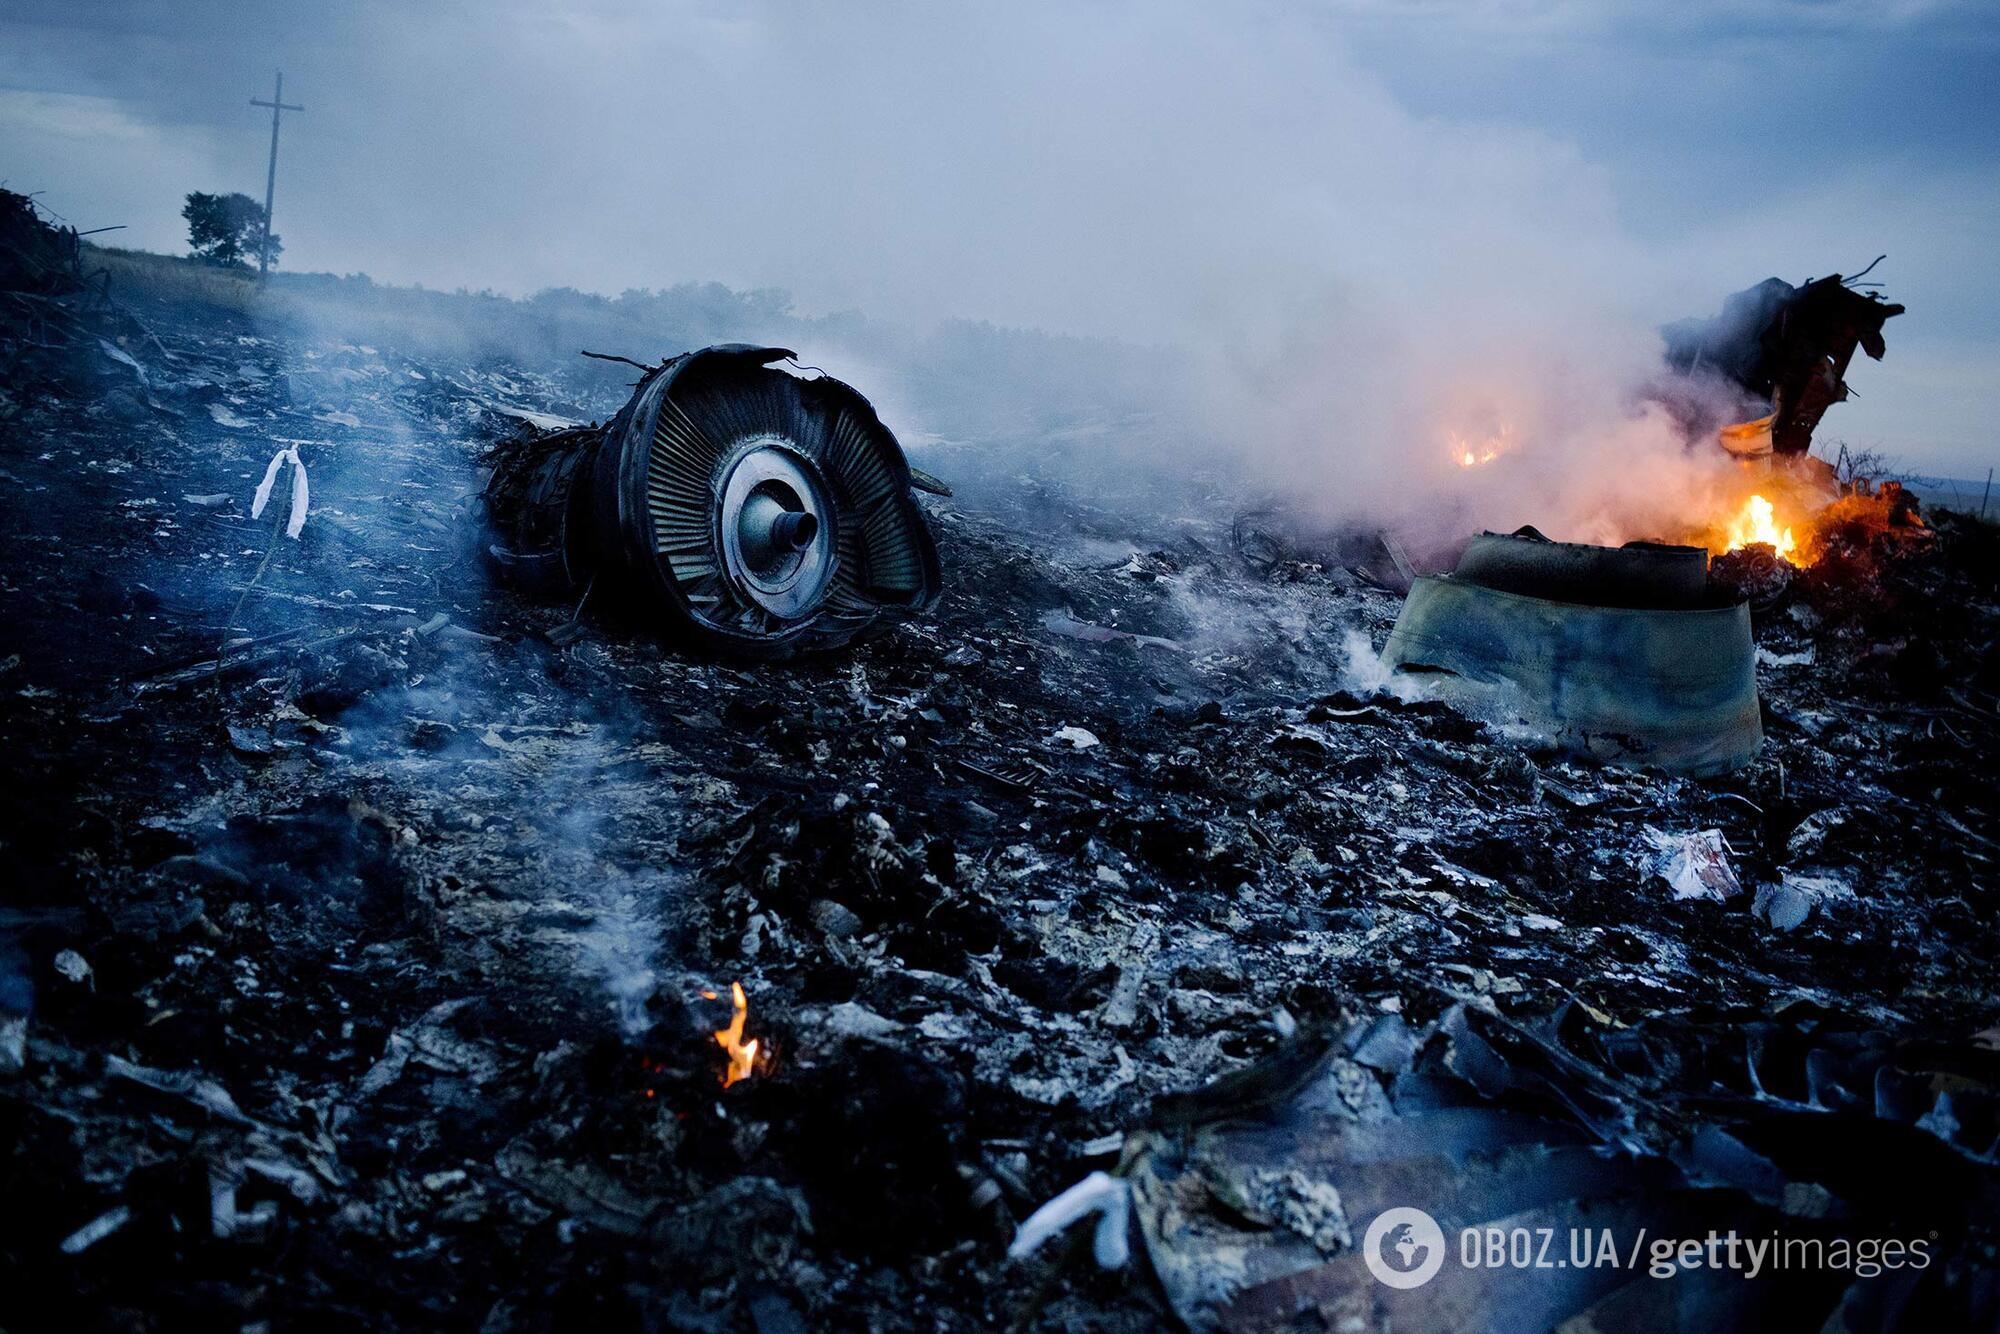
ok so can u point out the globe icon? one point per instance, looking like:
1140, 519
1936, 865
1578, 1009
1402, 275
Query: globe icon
1403, 1248
1410, 1252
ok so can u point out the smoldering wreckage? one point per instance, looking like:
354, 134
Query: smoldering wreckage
449, 915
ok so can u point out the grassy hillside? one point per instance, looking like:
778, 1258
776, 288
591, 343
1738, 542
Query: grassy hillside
962, 380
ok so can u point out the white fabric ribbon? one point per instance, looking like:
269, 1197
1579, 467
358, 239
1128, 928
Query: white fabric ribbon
301, 493
1101, 1194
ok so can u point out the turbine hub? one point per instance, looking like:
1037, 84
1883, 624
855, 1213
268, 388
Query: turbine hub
775, 526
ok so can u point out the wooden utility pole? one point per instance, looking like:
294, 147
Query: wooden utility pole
278, 106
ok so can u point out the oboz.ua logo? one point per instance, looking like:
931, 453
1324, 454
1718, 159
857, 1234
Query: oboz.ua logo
1403, 1248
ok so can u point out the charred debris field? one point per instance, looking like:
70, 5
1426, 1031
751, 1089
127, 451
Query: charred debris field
374, 930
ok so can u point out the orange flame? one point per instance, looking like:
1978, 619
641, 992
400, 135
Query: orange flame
742, 1055
1758, 522
1470, 454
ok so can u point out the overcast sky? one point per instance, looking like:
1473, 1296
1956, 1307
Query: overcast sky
1362, 180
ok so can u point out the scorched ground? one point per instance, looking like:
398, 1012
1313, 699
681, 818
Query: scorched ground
367, 976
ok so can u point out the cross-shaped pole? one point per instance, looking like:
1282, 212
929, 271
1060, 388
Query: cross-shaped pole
278, 106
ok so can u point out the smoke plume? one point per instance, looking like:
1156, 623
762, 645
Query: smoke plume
1271, 272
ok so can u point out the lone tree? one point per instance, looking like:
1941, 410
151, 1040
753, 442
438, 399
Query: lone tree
226, 229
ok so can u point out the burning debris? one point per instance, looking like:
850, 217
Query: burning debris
1757, 525
742, 508
742, 1056
1637, 653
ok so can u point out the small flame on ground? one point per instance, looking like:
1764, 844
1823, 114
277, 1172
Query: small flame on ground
742, 1055
1471, 454
1758, 522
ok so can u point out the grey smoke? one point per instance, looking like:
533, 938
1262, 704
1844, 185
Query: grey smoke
1342, 232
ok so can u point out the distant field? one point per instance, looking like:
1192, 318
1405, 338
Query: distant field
958, 380
471, 323
172, 278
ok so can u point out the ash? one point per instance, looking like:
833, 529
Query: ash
361, 915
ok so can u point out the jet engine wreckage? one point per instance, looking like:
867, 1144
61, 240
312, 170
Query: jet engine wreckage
745, 509
1623, 651
1633, 654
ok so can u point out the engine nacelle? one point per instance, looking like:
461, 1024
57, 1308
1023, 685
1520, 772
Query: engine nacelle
757, 511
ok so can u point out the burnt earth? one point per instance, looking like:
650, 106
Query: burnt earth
365, 971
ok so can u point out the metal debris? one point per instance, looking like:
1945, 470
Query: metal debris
1782, 1128
1788, 347
1618, 652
